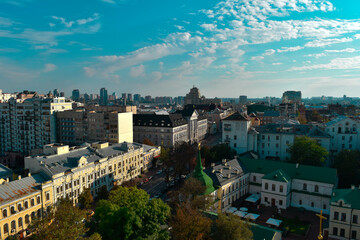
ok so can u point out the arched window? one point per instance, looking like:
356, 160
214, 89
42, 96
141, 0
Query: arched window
266, 186
6, 228
273, 187
281, 188
4, 213
304, 187
12, 210
38, 200
316, 188
26, 204
27, 219
13, 226
33, 215
20, 222
32, 202
19, 207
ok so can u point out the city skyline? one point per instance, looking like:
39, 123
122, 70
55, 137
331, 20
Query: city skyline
225, 48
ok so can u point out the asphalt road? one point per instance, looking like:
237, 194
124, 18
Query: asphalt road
156, 186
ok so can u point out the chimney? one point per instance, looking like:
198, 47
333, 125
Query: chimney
220, 170
19, 177
297, 165
213, 171
224, 160
352, 187
229, 167
7, 179
229, 175
212, 164
29, 174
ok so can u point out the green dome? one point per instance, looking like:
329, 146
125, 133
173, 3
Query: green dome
200, 175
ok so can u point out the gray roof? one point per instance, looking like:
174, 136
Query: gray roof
271, 114
20, 188
220, 179
4, 171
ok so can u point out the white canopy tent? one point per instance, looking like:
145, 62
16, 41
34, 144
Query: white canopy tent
274, 222
240, 213
231, 210
244, 209
253, 198
252, 216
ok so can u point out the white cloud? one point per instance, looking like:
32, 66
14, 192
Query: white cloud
138, 71
49, 67
347, 50
179, 27
269, 52
90, 72
276, 64
316, 55
6, 22
290, 49
337, 63
357, 36
326, 42
257, 58
63, 21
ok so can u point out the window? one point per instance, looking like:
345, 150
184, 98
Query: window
32, 202
47, 196
38, 200
277, 137
355, 219
336, 215
300, 202
235, 137
20, 222
6, 228
335, 231
304, 187
280, 202
353, 234
234, 145
266, 186
27, 219
254, 178
343, 217
281, 188
316, 188
12, 210
4, 213
324, 206
26, 204
343, 138
13, 226
312, 204
342, 232
19, 207
265, 199
273, 187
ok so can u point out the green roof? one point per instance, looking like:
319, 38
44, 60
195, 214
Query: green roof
200, 175
349, 196
278, 175
262, 233
303, 172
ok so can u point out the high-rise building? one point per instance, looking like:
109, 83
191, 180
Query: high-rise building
129, 97
243, 100
29, 124
56, 93
86, 97
103, 97
62, 94
137, 97
148, 98
123, 96
75, 95
292, 97
194, 97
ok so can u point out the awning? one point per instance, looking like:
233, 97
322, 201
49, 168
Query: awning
240, 213
253, 198
252, 216
231, 210
274, 222
244, 209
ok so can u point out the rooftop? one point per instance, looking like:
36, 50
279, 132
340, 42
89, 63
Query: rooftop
349, 196
153, 120
237, 116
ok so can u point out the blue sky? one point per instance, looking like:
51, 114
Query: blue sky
162, 47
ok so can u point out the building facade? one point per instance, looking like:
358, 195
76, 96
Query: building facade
30, 124
194, 97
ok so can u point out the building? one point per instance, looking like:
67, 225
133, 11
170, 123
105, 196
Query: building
292, 97
22, 201
94, 166
75, 95
137, 98
78, 126
129, 97
166, 130
197, 124
344, 132
103, 97
243, 100
282, 184
230, 180
344, 219
270, 141
29, 124
194, 97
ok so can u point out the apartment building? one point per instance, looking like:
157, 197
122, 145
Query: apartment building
29, 124
99, 164
344, 132
22, 201
78, 126
344, 219
283, 184
230, 180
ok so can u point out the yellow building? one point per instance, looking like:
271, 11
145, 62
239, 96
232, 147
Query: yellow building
22, 201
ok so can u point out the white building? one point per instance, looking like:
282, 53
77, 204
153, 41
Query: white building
344, 132
344, 219
283, 184
29, 124
91, 167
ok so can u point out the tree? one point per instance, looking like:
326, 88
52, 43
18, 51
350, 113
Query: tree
103, 193
95, 236
307, 151
130, 214
86, 199
148, 142
190, 224
66, 222
217, 153
347, 163
231, 228
183, 159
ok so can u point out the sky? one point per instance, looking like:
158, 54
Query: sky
164, 47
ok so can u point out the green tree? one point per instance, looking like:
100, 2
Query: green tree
65, 223
129, 214
231, 228
95, 236
103, 193
347, 163
189, 224
307, 151
86, 199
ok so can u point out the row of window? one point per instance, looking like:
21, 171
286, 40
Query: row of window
342, 233
355, 218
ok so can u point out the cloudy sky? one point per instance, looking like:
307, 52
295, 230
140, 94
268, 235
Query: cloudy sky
164, 47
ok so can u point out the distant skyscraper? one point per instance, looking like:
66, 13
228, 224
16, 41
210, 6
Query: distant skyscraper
292, 97
137, 97
129, 97
148, 98
86, 97
56, 93
123, 96
62, 94
114, 95
103, 97
75, 95
243, 100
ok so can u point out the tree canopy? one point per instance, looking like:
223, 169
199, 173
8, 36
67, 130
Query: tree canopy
130, 214
231, 228
86, 199
307, 151
347, 162
217, 153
